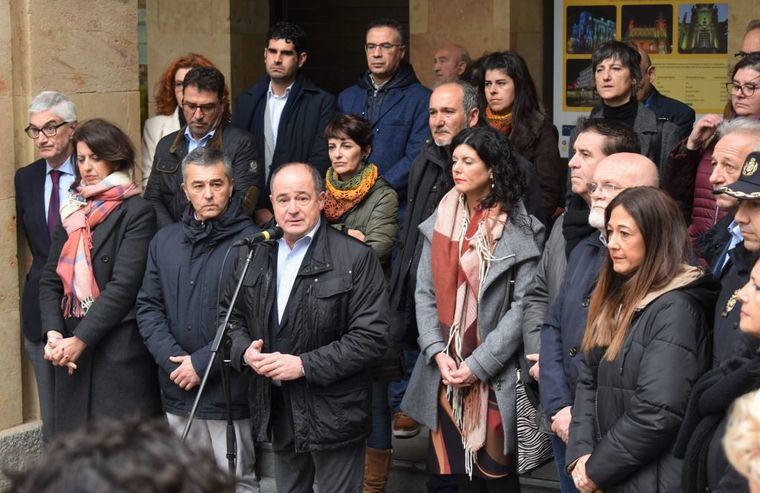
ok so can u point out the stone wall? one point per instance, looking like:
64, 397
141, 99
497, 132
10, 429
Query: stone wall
88, 50
482, 26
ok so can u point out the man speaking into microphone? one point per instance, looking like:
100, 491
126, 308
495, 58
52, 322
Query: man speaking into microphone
177, 309
311, 317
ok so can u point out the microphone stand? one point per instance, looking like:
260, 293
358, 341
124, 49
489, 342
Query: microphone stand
220, 337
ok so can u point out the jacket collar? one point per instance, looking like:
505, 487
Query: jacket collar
317, 259
214, 143
688, 275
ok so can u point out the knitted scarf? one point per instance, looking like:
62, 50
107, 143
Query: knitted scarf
342, 196
80, 213
502, 123
468, 243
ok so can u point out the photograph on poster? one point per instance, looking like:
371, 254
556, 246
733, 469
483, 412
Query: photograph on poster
579, 83
589, 27
702, 28
650, 27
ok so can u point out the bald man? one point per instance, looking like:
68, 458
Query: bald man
664, 107
450, 62
751, 40
562, 332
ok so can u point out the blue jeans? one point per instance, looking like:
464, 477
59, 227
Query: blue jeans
398, 389
566, 484
381, 436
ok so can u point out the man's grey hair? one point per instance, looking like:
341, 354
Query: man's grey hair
319, 184
748, 126
752, 25
206, 156
470, 97
57, 102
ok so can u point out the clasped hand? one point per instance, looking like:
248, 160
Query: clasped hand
276, 366
453, 374
63, 351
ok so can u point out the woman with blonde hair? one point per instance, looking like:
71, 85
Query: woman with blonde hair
644, 347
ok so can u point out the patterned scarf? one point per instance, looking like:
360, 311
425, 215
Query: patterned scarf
502, 123
468, 243
80, 213
342, 196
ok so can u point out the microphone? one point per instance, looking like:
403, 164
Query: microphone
269, 234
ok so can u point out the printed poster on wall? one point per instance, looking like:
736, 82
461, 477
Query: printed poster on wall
686, 42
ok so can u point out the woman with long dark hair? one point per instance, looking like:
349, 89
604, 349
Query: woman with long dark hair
90, 283
645, 345
512, 108
480, 253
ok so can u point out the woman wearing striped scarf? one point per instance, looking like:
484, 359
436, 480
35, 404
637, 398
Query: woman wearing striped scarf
90, 283
480, 253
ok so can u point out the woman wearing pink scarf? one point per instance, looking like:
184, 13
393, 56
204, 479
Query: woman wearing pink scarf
90, 283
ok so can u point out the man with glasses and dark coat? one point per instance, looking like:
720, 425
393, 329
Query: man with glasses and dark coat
207, 115
391, 98
40, 189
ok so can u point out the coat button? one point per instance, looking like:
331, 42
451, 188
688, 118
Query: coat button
105, 259
192, 283
573, 351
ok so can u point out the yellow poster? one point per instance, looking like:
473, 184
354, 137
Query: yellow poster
686, 42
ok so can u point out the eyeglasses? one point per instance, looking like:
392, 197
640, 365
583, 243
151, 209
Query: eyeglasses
742, 54
384, 47
205, 108
746, 89
49, 130
603, 187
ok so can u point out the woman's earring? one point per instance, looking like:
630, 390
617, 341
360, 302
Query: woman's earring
491, 181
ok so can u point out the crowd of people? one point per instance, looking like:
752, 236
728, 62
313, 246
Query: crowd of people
433, 264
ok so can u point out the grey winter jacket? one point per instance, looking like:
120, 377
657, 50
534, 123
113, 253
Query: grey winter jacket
495, 360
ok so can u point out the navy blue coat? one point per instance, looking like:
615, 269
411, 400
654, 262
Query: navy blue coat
562, 332
30, 215
300, 134
400, 124
672, 109
177, 307
728, 340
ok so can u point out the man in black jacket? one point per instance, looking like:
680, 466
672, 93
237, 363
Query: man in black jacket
312, 315
177, 310
206, 111
664, 107
285, 111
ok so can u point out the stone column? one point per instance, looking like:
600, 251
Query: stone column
230, 33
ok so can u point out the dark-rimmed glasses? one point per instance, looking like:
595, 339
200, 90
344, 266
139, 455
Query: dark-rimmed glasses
205, 108
49, 130
384, 47
746, 89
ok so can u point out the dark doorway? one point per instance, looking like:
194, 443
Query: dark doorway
335, 32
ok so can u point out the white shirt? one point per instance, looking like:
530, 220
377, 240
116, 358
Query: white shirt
276, 105
64, 182
736, 238
192, 143
288, 263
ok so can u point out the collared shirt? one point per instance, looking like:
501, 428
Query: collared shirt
288, 263
192, 143
736, 238
64, 182
276, 105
